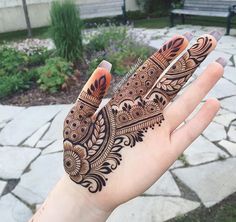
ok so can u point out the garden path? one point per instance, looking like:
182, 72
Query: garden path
31, 147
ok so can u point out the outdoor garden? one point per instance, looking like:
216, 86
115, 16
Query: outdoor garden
53, 70
52, 66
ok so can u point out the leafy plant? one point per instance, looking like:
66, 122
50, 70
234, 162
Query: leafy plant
117, 45
106, 36
54, 74
14, 73
12, 61
66, 30
39, 57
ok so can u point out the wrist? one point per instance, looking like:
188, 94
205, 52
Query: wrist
69, 202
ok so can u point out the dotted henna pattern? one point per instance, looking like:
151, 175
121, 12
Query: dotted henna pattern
92, 143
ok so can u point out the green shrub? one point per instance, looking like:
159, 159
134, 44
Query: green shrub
12, 61
39, 57
66, 30
118, 47
54, 74
106, 36
10, 84
14, 73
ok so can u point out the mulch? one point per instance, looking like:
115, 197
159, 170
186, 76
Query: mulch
35, 96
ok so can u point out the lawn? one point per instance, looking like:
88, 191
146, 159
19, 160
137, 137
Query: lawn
158, 23
163, 22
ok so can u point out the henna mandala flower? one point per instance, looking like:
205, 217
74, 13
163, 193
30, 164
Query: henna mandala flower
75, 161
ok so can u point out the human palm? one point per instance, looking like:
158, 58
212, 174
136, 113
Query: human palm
119, 151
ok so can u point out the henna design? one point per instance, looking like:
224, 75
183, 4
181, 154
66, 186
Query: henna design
170, 84
92, 143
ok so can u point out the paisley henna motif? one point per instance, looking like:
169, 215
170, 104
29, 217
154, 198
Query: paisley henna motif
92, 142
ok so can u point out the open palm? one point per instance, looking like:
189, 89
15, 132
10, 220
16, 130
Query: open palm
116, 153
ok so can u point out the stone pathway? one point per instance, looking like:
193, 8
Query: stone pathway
31, 153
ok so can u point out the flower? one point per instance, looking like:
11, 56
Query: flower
75, 161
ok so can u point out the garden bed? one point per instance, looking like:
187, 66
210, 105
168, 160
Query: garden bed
35, 96
33, 73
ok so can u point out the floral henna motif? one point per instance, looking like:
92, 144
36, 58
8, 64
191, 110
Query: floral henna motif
170, 84
146, 75
92, 143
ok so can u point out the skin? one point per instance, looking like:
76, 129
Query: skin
142, 165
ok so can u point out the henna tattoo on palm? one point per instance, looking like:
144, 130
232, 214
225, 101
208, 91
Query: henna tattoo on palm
92, 142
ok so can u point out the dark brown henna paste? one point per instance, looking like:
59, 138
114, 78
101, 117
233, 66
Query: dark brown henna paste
171, 83
92, 145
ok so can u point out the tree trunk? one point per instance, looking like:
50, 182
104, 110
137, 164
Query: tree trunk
27, 18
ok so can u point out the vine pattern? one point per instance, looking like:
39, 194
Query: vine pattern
93, 143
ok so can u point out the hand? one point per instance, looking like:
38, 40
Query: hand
117, 153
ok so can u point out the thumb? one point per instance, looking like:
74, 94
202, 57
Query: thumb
95, 88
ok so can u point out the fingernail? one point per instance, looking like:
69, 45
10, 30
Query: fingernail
188, 35
217, 35
222, 61
106, 65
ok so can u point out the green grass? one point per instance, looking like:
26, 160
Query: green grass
161, 22
42, 33
223, 212
193, 20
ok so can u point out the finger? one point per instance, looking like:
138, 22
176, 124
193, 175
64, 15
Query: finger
180, 109
147, 74
94, 90
172, 82
77, 122
185, 135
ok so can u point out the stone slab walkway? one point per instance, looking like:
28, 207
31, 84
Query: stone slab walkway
31, 152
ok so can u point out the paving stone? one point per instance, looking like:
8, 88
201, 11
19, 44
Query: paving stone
232, 133
202, 151
57, 146
164, 186
7, 113
156, 43
177, 164
229, 103
217, 92
229, 146
215, 132
152, 209
2, 125
13, 210
32, 141
43, 143
225, 119
222, 111
2, 186
14, 160
44, 173
212, 182
55, 131
230, 73
26, 123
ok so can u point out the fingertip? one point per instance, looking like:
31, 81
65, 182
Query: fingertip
213, 103
216, 69
106, 65
222, 61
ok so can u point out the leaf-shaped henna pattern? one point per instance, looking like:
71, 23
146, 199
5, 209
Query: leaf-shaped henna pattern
171, 83
93, 142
